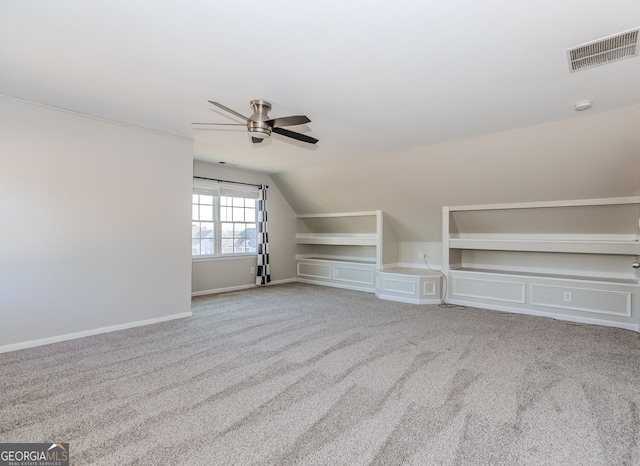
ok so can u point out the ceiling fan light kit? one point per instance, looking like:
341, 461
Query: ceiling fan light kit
256, 125
260, 126
583, 105
259, 133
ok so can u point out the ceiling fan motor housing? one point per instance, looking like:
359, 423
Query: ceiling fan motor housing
260, 126
256, 124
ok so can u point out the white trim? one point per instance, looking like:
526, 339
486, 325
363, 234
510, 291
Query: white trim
402, 299
552, 315
542, 204
337, 285
379, 237
97, 118
226, 257
446, 252
240, 287
581, 309
222, 290
341, 214
393, 265
87, 333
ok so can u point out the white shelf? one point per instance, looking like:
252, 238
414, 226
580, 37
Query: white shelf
360, 239
340, 214
581, 278
329, 258
548, 245
549, 204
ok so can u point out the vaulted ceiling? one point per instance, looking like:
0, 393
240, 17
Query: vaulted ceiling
374, 76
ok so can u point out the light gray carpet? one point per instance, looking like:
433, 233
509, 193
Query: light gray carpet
299, 374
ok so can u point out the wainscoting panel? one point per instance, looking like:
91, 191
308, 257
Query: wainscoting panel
504, 291
397, 285
599, 301
358, 275
580, 299
342, 274
409, 285
312, 270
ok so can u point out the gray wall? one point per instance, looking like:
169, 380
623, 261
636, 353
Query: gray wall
587, 157
94, 221
217, 274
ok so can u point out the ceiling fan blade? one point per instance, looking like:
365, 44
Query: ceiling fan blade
288, 121
228, 110
223, 124
256, 140
294, 135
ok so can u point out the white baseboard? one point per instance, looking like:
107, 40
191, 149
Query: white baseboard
393, 265
336, 285
240, 287
402, 299
568, 318
87, 333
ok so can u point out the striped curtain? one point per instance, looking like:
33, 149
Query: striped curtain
262, 239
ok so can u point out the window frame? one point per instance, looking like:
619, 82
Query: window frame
219, 190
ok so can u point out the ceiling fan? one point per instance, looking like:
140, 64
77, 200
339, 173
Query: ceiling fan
260, 125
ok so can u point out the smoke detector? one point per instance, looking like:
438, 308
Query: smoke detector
602, 51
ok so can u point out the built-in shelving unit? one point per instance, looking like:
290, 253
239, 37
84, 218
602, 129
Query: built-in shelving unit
340, 249
359, 251
565, 259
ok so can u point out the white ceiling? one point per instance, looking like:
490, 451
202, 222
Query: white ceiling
374, 76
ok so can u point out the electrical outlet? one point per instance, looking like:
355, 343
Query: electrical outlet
253, 270
422, 255
567, 296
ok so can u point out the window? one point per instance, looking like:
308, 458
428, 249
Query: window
202, 224
238, 224
223, 219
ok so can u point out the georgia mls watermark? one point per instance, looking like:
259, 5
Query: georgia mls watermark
34, 454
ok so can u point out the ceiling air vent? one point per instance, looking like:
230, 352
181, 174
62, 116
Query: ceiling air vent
603, 51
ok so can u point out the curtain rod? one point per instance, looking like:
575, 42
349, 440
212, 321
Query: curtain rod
226, 181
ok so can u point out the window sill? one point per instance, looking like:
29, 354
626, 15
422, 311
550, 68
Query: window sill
222, 258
